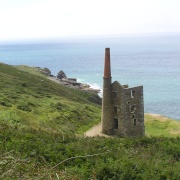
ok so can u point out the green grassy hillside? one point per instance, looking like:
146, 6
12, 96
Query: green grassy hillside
29, 99
41, 135
157, 125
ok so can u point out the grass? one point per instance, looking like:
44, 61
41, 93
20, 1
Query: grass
157, 125
34, 101
37, 154
32, 70
41, 135
28, 98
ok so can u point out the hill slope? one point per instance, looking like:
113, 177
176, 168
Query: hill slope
32, 100
158, 125
41, 126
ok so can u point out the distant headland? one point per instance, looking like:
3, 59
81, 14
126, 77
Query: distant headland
61, 78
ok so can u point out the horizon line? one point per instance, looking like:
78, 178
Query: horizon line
54, 39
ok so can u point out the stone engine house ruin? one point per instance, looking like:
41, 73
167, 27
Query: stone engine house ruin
122, 107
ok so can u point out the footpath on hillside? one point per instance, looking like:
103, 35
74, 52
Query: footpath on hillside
95, 131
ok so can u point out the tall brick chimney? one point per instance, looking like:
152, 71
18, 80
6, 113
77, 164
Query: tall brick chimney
107, 65
107, 111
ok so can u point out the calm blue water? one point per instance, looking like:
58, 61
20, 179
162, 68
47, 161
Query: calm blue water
152, 61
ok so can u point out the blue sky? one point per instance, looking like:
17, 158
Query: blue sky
26, 19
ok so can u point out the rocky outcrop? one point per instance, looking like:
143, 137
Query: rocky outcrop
44, 71
61, 75
74, 84
61, 78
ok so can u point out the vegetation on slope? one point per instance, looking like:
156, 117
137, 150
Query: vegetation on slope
158, 125
41, 126
31, 154
34, 101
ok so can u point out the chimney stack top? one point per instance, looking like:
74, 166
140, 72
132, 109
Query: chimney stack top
107, 64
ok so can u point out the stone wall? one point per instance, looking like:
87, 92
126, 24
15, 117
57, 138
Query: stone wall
122, 107
128, 110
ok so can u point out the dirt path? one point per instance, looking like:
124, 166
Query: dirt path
95, 131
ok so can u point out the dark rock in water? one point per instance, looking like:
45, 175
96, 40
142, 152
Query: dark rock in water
61, 75
45, 71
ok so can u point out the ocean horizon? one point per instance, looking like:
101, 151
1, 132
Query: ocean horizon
152, 61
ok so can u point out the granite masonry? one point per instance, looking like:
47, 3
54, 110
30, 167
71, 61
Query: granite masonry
122, 106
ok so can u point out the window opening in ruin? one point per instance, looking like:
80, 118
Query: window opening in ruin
115, 94
133, 116
134, 122
115, 123
132, 109
132, 93
115, 109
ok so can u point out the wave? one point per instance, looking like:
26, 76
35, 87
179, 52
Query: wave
92, 85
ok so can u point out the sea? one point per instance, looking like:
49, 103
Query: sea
149, 60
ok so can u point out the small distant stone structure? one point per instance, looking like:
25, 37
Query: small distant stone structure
122, 107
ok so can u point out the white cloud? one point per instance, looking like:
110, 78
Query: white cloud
56, 18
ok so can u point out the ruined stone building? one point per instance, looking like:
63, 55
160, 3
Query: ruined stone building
122, 107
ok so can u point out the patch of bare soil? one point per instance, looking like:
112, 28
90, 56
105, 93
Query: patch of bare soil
95, 131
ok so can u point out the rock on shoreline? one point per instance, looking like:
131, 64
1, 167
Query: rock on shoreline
72, 83
61, 78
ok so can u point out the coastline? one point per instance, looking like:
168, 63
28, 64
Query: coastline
62, 79
161, 116
157, 115
88, 88
72, 83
